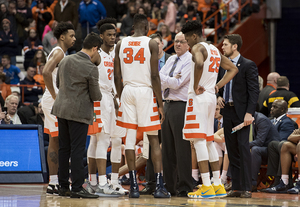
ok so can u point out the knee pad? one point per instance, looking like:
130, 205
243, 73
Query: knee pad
212, 152
201, 150
115, 155
130, 139
103, 141
91, 152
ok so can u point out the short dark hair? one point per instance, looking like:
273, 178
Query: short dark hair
105, 27
282, 81
7, 57
62, 28
192, 27
107, 20
156, 35
2, 77
235, 39
92, 40
139, 19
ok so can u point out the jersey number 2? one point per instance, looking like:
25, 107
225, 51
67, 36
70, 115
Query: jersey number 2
138, 57
215, 64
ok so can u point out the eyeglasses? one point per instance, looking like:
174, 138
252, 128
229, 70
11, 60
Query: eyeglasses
181, 42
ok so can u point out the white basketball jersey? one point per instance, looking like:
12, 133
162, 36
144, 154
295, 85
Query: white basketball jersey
135, 61
54, 73
106, 72
210, 69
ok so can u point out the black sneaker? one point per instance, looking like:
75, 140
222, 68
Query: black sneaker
64, 192
296, 189
148, 190
280, 188
83, 194
52, 189
124, 180
161, 192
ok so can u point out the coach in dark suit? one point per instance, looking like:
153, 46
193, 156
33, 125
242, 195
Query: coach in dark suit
77, 80
239, 99
263, 133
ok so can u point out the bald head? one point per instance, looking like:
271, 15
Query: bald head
279, 107
272, 78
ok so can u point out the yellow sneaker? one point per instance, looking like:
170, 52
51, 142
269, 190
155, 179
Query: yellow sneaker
203, 192
219, 190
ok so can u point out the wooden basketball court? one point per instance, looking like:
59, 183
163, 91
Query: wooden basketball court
33, 195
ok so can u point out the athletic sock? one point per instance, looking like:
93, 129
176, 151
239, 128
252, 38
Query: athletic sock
93, 179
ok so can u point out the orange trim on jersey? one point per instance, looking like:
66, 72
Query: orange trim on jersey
150, 128
120, 113
98, 112
155, 109
154, 118
154, 100
198, 136
52, 134
127, 125
98, 120
192, 126
56, 124
190, 117
190, 109
97, 104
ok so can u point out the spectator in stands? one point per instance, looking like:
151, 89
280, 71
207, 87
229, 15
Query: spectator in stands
11, 71
8, 41
178, 27
39, 58
23, 15
155, 13
27, 111
4, 88
170, 18
111, 8
11, 102
263, 133
4, 117
31, 46
39, 75
265, 92
165, 32
289, 149
199, 13
90, 12
42, 14
3, 11
152, 26
210, 23
49, 40
66, 11
285, 127
233, 7
190, 15
204, 6
141, 10
282, 92
31, 94
127, 22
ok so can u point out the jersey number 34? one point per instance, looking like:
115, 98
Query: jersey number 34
138, 57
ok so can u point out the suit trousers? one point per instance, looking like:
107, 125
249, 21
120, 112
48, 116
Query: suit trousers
259, 156
176, 152
238, 150
72, 141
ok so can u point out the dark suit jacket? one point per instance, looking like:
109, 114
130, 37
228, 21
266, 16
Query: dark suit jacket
285, 127
264, 94
245, 87
77, 80
264, 131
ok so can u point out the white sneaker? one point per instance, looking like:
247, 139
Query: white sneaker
119, 189
91, 188
106, 190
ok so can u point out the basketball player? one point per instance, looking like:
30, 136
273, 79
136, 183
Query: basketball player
106, 117
200, 110
136, 61
65, 35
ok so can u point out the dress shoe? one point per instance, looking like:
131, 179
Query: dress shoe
228, 186
182, 194
64, 192
148, 190
83, 194
246, 194
161, 192
234, 193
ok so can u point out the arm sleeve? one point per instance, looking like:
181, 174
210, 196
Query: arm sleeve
261, 133
253, 87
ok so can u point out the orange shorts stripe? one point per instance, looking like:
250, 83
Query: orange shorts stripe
154, 118
97, 104
52, 134
190, 109
98, 120
198, 136
120, 113
127, 125
155, 109
56, 124
98, 112
154, 100
192, 126
190, 117
150, 128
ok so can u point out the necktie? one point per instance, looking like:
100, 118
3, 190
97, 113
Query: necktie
227, 89
159, 65
167, 91
274, 121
